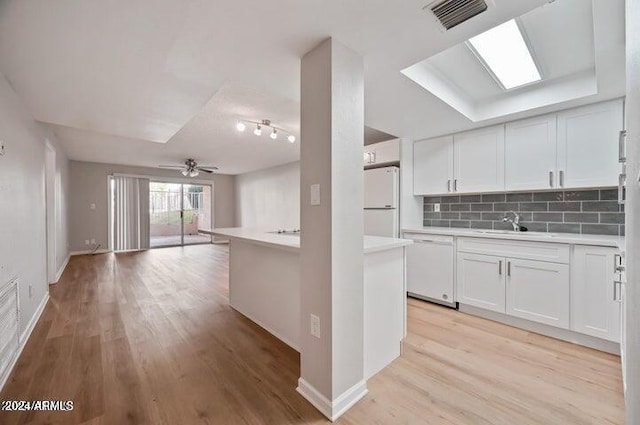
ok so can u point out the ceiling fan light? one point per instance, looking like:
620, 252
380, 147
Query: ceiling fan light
240, 126
291, 138
274, 134
258, 130
194, 173
185, 172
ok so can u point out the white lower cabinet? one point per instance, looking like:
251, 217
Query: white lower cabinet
593, 308
481, 282
538, 291
532, 290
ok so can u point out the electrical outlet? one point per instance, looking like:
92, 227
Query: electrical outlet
315, 326
436, 207
86, 241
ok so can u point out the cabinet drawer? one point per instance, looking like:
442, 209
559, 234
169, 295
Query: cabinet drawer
540, 251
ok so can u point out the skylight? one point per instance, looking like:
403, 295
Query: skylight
505, 54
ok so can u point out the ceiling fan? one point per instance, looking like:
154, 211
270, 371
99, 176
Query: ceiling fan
191, 168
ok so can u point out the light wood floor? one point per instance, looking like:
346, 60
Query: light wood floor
148, 338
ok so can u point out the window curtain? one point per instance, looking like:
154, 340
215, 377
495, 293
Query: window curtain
130, 213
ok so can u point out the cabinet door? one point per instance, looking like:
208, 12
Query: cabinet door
479, 160
481, 281
538, 291
433, 166
530, 154
593, 309
386, 152
430, 268
588, 145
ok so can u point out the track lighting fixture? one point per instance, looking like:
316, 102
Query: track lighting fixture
241, 125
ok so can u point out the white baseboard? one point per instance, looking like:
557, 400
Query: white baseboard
547, 330
90, 251
24, 338
61, 270
336, 408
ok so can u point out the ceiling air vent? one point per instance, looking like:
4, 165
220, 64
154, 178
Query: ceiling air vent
454, 12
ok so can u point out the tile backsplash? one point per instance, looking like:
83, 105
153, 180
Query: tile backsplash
571, 211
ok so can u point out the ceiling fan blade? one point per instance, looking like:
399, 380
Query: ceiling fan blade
176, 167
209, 167
204, 170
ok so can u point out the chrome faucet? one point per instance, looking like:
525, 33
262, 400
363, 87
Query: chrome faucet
515, 222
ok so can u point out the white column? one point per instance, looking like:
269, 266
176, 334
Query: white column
632, 209
332, 135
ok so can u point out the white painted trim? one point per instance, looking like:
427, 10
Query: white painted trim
24, 338
551, 331
61, 270
90, 251
181, 180
336, 408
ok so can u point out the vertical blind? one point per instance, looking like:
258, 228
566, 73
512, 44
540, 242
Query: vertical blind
130, 213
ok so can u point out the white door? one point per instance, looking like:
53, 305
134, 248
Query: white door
433, 166
530, 154
593, 308
588, 145
381, 187
430, 268
382, 222
538, 291
481, 280
479, 160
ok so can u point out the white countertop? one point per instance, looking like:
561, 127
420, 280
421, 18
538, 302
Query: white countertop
292, 241
566, 238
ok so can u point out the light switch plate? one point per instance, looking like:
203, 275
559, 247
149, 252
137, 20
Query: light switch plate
315, 194
315, 326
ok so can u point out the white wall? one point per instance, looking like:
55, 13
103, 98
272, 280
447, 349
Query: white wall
23, 243
269, 198
633, 212
89, 186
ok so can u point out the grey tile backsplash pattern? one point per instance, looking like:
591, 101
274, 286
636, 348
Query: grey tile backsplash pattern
572, 211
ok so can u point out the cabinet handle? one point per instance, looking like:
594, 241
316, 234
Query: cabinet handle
449, 185
617, 291
561, 178
550, 178
621, 180
373, 155
617, 264
509, 268
500, 267
622, 151
455, 185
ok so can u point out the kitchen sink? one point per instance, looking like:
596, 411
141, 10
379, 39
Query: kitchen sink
511, 232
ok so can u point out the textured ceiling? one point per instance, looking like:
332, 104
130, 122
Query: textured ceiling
151, 81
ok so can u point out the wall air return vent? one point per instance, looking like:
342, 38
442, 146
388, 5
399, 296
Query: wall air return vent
454, 12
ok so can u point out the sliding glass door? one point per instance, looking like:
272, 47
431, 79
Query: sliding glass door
178, 213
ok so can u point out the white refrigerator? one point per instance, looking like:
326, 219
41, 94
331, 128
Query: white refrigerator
382, 201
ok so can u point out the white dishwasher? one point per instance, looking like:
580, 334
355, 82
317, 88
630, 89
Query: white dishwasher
430, 268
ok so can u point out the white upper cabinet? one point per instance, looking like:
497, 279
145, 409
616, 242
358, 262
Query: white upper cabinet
588, 145
530, 154
382, 153
433, 166
593, 308
479, 160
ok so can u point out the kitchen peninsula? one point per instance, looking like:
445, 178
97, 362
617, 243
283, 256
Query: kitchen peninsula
265, 281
